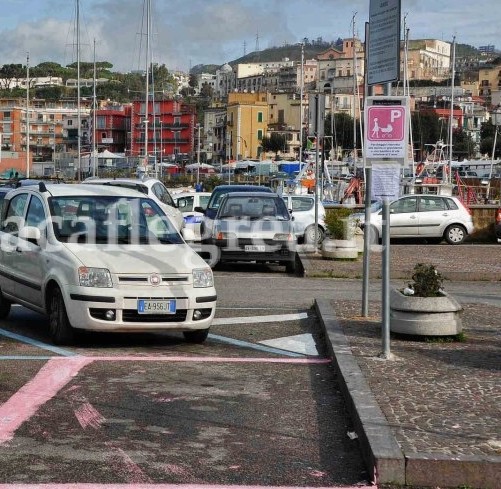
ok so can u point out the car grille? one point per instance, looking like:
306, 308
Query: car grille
144, 279
132, 316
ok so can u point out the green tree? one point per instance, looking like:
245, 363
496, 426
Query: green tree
425, 130
342, 125
463, 146
487, 132
275, 143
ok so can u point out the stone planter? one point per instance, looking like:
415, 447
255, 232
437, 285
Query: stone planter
339, 249
426, 316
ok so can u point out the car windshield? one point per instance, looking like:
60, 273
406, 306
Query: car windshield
110, 219
270, 208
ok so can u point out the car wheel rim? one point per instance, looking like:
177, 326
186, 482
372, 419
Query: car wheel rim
456, 235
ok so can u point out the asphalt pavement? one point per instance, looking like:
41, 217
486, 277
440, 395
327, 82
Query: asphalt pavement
430, 415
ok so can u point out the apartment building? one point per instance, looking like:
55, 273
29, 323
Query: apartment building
247, 123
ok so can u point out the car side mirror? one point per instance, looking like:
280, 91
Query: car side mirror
31, 234
188, 234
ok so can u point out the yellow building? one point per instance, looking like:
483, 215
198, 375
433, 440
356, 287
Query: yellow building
247, 124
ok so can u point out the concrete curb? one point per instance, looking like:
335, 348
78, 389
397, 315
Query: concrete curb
382, 453
354, 269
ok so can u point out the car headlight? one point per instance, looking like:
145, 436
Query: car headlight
202, 277
94, 277
283, 237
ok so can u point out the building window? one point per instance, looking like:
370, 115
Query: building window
6, 116
260, 134
260, 117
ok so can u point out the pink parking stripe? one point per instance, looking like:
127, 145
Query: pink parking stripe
162, 486
306, 361
51, 378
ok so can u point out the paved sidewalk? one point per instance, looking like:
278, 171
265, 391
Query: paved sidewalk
431, 416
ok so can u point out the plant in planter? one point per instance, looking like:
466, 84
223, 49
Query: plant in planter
423, 307
340, 243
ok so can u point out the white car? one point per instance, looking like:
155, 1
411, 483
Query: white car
186, 203
303, 213
436, 217
151, 187
101, 258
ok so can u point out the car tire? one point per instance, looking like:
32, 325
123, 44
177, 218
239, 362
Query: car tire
455, 234
4, 306
309, 235
291, 266
196, 335
61, 331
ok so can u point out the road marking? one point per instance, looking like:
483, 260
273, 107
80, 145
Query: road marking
300, 343
53, 376
38, 344
272, 318
254, 346
83, 485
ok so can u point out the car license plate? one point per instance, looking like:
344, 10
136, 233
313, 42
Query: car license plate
255, 248
145, 306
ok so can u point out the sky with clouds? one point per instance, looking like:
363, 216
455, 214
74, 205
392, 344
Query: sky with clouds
185, 33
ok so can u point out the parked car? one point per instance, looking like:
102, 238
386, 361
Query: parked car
101, 258
497, 225
435, 217
302, 208
151, 187
254, 226
215, 199
186, 202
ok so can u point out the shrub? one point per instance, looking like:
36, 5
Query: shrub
337, 222
427, 281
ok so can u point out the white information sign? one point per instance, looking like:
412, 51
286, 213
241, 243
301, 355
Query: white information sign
385, 181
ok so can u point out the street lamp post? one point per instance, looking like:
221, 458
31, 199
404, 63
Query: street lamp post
496, 119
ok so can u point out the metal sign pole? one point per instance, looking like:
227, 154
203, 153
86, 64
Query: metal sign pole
367, 244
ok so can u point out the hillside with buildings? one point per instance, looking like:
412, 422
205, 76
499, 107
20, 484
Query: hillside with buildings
226, 113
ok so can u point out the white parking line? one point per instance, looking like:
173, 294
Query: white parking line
272, 318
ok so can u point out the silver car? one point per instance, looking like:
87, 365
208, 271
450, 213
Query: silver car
435, 217
303, 213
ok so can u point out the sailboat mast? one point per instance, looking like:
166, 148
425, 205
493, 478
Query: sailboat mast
79, 114
94, 108
354, 96
147, 84
28, 115
301, 114
453, 75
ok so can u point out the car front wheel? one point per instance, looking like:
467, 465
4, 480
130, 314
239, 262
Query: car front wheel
455, 234
196, 335
4, 306
60, 328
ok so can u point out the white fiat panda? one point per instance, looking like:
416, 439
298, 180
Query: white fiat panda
101, 258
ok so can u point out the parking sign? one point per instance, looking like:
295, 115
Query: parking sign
386, 128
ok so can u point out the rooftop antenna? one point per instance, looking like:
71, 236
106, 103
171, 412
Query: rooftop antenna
245, 48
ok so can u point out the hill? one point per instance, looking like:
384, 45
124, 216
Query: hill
290, 51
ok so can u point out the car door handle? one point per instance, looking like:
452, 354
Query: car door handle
19, 249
